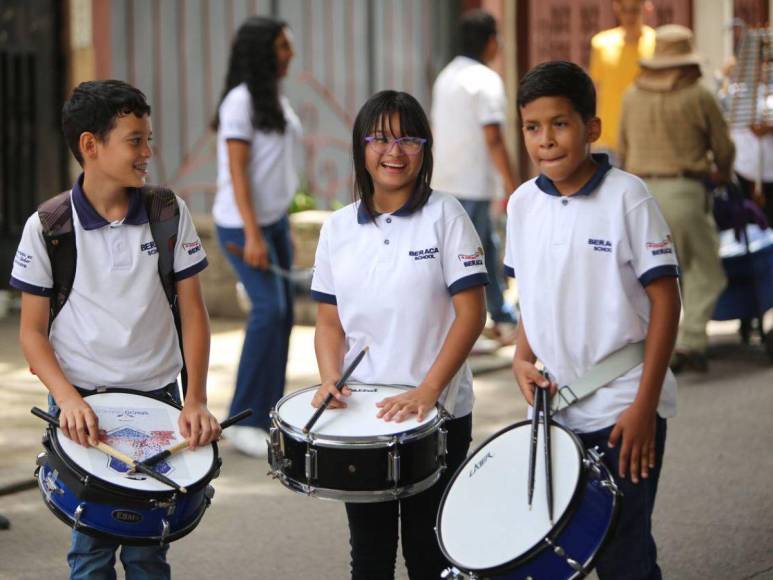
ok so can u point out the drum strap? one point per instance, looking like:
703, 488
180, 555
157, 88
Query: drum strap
613, 366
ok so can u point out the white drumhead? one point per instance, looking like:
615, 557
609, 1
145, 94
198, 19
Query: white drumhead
139, 427
485, 520
358, 419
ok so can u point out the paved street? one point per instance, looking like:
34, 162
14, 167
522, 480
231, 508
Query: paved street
713, 519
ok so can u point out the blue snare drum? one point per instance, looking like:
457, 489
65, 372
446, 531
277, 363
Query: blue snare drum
95, 494
486, 529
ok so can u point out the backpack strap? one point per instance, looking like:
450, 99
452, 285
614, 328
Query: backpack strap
164, 220
56, 218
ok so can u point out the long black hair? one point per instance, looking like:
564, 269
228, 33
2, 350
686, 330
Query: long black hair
253, 62
375, 114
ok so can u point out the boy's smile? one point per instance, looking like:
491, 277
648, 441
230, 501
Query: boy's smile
558, 141
122, 158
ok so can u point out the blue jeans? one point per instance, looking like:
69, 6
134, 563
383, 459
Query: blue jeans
479, 212
630, 552
260, 380
93, 558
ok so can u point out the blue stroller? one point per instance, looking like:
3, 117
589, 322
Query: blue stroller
746, 250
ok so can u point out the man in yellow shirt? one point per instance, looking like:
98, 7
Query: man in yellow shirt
614, 64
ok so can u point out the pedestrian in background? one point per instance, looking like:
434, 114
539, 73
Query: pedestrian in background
673, 135
468, 114
614, 64
257, 135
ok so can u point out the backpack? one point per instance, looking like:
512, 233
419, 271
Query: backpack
164, 218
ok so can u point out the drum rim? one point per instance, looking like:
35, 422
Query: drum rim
362, 442
80, 472
557, 528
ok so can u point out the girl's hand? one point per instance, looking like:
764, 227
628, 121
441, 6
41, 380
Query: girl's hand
636, 427
78, 421
198, 425
329, 388
255, 253
418, 401
528, 378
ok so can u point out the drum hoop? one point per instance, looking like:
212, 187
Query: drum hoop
109, 486
554, 531
363, 442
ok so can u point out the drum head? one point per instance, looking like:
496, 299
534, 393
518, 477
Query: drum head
138, 426
356, 421
484, 521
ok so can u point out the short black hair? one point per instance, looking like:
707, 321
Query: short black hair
559, 78
476, 28
94, 106
413, 122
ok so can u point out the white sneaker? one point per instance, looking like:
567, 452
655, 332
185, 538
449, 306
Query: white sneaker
248, 440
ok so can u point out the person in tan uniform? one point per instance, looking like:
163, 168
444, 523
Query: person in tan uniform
673, 135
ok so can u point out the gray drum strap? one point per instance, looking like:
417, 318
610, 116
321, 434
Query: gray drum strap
613, 366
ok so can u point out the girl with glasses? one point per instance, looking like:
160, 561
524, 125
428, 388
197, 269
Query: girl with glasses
401, 271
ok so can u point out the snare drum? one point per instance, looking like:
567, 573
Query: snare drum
350, 454
486, 529
95, 494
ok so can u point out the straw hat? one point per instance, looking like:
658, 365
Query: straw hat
673, 48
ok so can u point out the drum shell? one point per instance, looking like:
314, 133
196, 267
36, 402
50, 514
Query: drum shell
364, 466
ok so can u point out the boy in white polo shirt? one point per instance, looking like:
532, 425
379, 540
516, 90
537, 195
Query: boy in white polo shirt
596, 271
116, 328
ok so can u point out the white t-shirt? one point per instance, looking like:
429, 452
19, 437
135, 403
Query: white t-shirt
273, 174
116, 328
582, 263
747, 154
467, 95
392, 280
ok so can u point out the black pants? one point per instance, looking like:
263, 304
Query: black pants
373, 529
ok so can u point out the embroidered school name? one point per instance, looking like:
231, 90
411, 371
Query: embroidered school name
660, 248
22, 259
149, 248
475, 259
425, 254
599, 245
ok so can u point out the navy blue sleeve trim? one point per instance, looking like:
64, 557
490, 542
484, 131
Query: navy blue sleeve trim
658, 272
192, 271
322, 297
30, 289
509, 272
479, 279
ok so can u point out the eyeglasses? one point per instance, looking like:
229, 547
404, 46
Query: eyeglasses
408, 145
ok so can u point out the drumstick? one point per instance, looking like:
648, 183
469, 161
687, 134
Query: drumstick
115, 454
339, 386
548, 453
533, 443
177, 447
238, 251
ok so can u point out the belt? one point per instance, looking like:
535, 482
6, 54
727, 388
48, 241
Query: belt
696, 175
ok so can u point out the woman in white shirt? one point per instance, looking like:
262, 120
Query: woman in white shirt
257, 134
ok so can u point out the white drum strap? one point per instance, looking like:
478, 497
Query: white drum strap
613, 366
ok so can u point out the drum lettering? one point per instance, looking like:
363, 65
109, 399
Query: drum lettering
127, 516
481, 463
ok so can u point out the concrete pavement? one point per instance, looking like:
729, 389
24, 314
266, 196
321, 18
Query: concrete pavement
714, 517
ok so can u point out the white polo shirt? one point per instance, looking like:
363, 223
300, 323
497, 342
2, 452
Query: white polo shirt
582, 263
466, 96
393, 280
273, 155
116, 328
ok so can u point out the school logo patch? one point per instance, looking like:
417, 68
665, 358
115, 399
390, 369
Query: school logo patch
475, 259
425, 254
192, 247
22, 259
149, 248
662, 247
600, 245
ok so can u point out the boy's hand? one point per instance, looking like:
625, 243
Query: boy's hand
329, 388
636, 426
78, 421
255, 251
416, 401
198, 425
528, 378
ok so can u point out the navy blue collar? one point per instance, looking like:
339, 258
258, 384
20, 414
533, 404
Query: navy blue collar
602, 167
91, 220
363, 217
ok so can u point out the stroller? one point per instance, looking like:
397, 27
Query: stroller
746, 250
